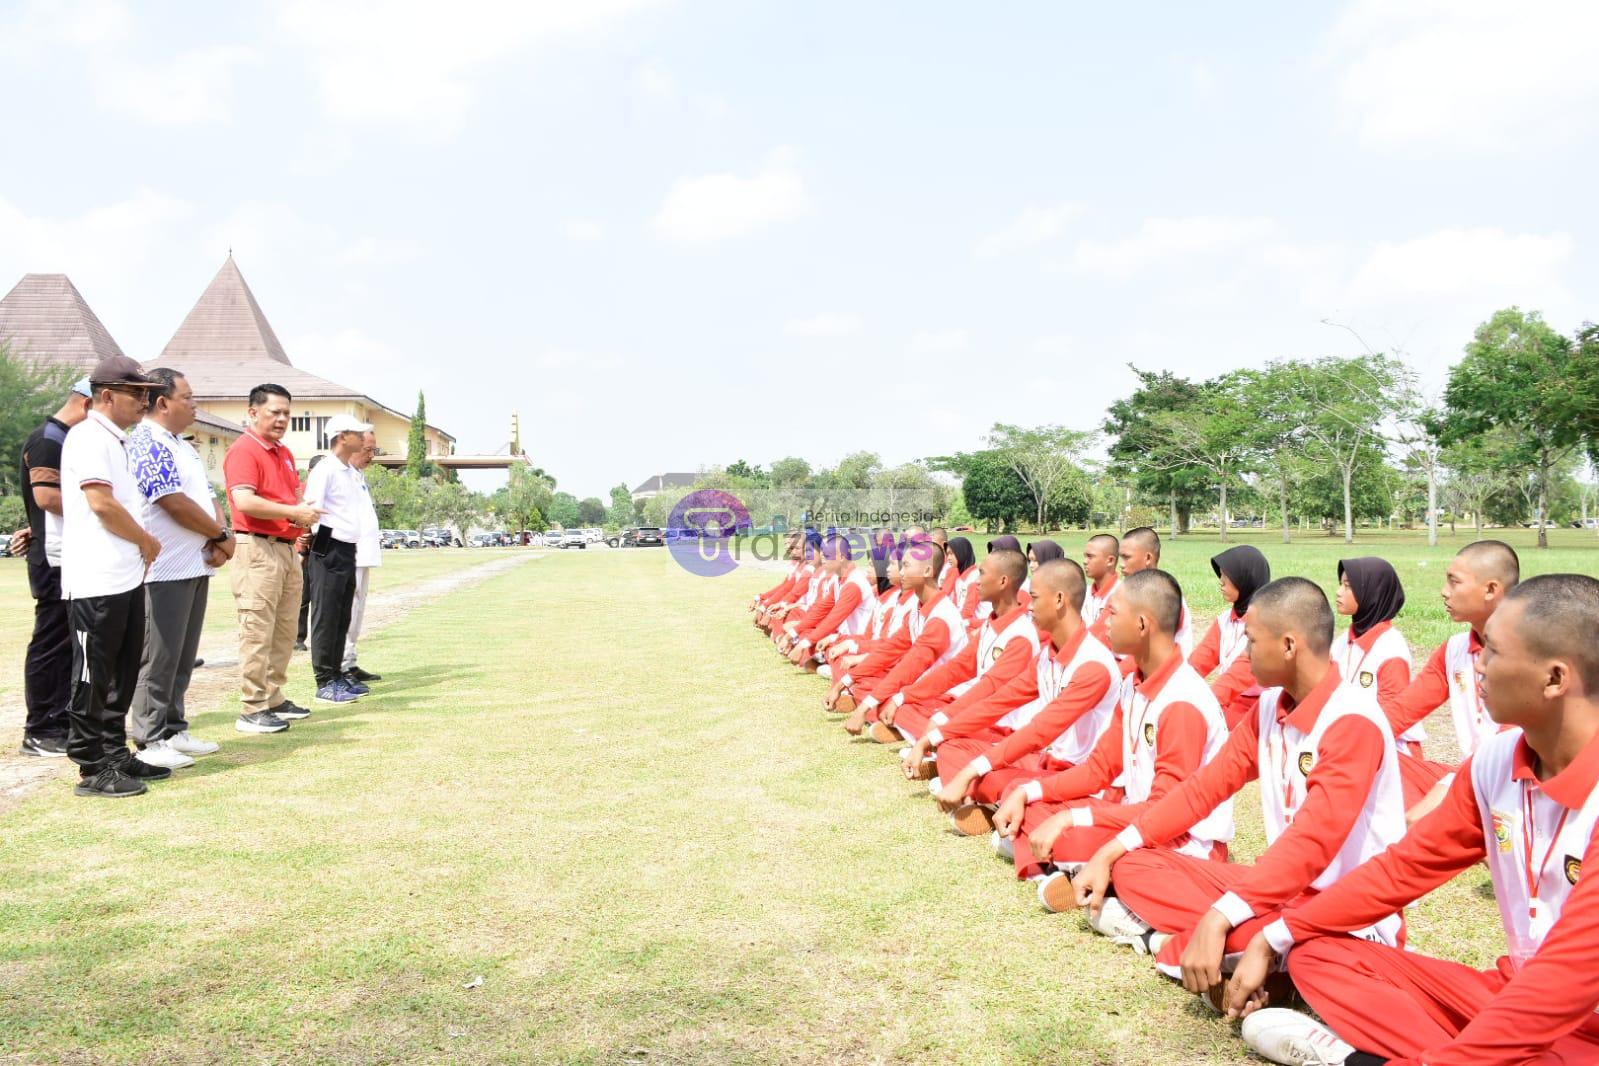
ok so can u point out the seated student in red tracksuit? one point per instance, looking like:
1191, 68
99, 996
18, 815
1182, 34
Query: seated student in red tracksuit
1371, 653
960, 556
1023, 597
1040, 552
1527, 801
1477, 581
1003, 647
864, 662
1240, 571
801, 594
1099, 566
852, 602
794, 553
1139, 549
825, 585
1329, 791
837, 646
935, 628
1166, 726
1076, 699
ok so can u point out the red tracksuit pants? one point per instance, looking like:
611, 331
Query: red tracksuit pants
1400, 1004
1075, 843
1172, 892
1418, 776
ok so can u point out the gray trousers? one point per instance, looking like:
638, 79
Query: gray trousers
363, 581
174, 617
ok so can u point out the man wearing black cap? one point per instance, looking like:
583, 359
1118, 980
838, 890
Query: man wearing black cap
104, 555
47, 674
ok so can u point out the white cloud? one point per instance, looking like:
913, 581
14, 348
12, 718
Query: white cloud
411, 62
654, 81
717, 207
1163, 240
559, 359
356, 358
938, 342
1482, 267
1466, 74
582, 230
827, 324
193, 87
1059, 344
114, 239
1032, 227
42, 24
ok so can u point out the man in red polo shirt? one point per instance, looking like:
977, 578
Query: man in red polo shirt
264, 493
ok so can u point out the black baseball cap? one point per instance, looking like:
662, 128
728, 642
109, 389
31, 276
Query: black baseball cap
120, 370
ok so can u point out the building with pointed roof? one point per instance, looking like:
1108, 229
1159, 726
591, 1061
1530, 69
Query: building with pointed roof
226, 347
660, 483
45, 320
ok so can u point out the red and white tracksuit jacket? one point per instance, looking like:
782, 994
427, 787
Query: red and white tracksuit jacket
1226, 649
1538, 1004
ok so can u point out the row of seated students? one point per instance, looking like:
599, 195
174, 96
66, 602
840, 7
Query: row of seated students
1065, 713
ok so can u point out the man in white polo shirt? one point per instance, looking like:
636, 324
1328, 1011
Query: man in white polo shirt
104, 555
181, 512
368, 554
338, 491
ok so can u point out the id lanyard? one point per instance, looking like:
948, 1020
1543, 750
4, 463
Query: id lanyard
1538, 917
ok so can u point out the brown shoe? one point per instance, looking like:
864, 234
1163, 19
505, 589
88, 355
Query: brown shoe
886, 734
925, 770
1279, 989
972, 820
845, 703
809, 666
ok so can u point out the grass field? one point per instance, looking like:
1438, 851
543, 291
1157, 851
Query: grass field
591, 783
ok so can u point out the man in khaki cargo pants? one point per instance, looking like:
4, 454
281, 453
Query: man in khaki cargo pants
264, 492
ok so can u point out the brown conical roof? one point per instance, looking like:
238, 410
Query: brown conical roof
226, 323
46, 320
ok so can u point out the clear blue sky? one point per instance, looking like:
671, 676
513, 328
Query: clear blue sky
644, 224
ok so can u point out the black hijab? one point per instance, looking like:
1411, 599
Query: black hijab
1046, 551
1247, 569
965, 554
1377, 591
1006, 543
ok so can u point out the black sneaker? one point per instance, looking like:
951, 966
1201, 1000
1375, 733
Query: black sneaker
299, 645
110, 783
260, 722
289, 711
44, 747
144, 771
362, 675
198, 663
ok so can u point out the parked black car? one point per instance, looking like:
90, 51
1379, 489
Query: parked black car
644, 537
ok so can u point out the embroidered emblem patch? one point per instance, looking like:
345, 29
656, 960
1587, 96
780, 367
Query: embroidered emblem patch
1307, 759
993, 654
1502, 832
1573, 868
1367, 678
1149, 733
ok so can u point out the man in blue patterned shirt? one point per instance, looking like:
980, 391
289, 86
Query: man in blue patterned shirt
180, 511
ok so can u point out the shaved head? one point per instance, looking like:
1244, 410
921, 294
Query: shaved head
1558, 620
1064, 576
1012, 564
940, 534
1492, 560
1110, 545
1156, 595
1296, 606
1144, 539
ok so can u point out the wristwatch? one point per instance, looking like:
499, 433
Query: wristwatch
220, 537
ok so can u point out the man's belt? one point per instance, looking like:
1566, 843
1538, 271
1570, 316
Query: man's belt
266, 536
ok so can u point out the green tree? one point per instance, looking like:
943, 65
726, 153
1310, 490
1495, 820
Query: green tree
590, 511
1136, 443
28, 395
1341, 405
450, 503
563, 510
1214, 435
753, 476
790, 472
522, 502
993, 492
1537, 387
856, 470
621, 513
416, 444
1045, 458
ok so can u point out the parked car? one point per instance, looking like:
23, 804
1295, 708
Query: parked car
644, 537
573, 538
615, 539
593, 536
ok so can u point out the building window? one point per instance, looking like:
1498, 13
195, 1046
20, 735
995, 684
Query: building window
300, 423
322, 432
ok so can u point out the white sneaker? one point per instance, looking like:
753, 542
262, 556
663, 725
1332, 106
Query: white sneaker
1117, 922
1004, 847
188, 745
163, 754
825, 670
1294, 1039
